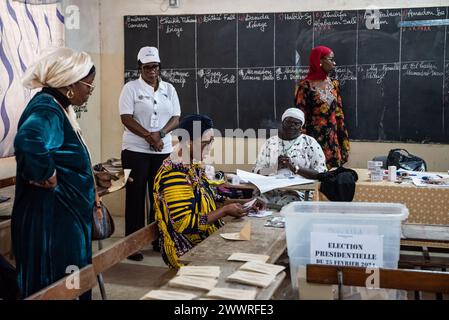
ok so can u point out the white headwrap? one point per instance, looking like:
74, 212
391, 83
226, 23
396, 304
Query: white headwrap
58, 69
294, 113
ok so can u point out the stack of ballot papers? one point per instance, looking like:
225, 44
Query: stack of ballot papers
168, 295
196, 277
262, 267
245, 257
232, 294
251, 278
200, 271
192, 282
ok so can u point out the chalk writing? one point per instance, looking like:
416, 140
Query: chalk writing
290, 73
298, 16
257, 21
210, 77
176, 76
377, 71
421, 69
425, 12
256, 74
329, 19
345, 74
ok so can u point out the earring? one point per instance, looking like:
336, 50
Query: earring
321, 64
70, 94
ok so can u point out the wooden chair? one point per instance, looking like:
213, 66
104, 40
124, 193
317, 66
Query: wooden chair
403, 279
101, 261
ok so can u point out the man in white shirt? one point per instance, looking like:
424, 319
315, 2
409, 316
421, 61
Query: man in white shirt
149, 110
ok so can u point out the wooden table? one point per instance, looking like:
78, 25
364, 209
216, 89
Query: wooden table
428, 206
214, 251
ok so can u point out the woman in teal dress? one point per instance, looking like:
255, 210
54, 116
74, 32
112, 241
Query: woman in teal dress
52, 213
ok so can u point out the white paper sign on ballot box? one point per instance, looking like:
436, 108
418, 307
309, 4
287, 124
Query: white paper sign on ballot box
352, 250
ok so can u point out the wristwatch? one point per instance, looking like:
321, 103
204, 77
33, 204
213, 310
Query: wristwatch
162, 133
296, 169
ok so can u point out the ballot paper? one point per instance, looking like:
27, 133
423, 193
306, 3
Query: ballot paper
232, 294
261, 267
200, 271
249, 204
168, 295
251, 278
244, 257
192, 282
265, 184
260, 214
244, 234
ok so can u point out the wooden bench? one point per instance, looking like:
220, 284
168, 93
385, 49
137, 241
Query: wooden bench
403, 279
101, 261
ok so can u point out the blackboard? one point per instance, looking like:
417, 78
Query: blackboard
241, 69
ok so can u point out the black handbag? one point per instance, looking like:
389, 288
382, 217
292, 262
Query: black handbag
102, 223
402, 159
338, 184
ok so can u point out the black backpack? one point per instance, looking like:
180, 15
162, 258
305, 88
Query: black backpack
402, 159
338, 184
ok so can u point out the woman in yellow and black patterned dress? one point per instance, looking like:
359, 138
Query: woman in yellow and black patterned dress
319, 98
184, 199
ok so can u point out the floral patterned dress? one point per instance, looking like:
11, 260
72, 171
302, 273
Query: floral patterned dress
324, 119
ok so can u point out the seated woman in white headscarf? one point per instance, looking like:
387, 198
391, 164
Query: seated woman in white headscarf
291, 152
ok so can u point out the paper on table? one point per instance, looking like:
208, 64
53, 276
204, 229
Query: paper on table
240, 256
431, 182
244, 234
120, 183
261, 267
232, 294
252, 278
193, 282
265, 184
168, 295
200, 271
260, 214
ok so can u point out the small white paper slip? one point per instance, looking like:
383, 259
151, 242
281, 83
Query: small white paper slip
261, 267
200, 271
245, 257
168, 295
232, 294
260, 213
249, 204
243, 235
252, 278
192, 282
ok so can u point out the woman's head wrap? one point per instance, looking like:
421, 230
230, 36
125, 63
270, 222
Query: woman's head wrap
187, 123
294, 113
58, 69
315, 70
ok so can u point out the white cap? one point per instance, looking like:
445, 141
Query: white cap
148, 54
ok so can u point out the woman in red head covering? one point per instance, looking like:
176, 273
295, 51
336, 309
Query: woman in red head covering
319, 98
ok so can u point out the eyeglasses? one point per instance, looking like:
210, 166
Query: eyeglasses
292, 123
150, 67
331, 59
91, 86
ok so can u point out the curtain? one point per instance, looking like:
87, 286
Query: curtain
27, 28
